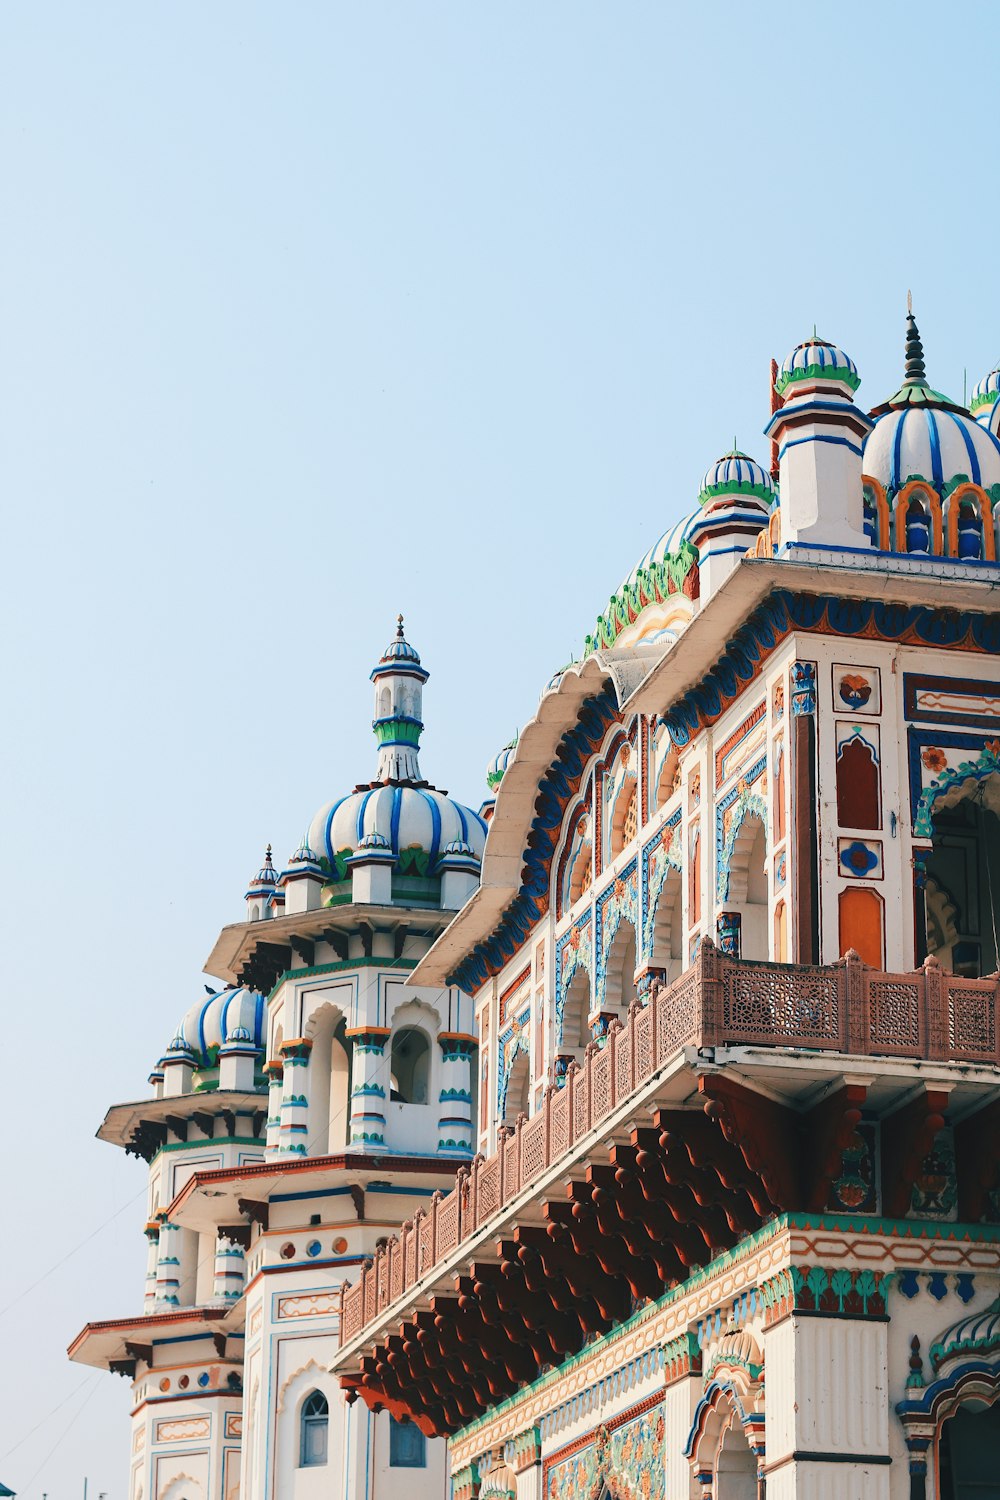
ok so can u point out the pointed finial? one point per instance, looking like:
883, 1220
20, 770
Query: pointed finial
913, 373
267, 855
399, 627
815, 334
909, 300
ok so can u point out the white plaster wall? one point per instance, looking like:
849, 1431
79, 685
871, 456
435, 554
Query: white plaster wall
811, 1481
431, 1483
678, 1409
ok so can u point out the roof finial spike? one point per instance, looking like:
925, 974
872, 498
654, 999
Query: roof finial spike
913, 372
815, 334
909, 300
399, 627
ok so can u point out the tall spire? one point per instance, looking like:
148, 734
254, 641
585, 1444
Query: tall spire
914, 372
399, 682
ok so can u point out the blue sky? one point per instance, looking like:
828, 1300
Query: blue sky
310, 314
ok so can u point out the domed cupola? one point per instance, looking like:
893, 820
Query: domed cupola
262, 895
734, 476
734, 502
216, 1019
817, 365
985, 403
398, 823
923, 435
499, 764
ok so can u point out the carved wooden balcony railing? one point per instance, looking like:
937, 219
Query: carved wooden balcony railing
844, 1007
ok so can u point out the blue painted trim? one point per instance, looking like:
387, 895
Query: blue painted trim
837, 442
970, 448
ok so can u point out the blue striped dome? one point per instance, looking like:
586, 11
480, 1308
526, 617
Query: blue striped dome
984, 396
399, 651
210, 1020
978, 1334
417, 818
500, 762
933, 443
669, 545
816, 360
736, 474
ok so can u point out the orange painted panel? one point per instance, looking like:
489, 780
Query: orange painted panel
861, 924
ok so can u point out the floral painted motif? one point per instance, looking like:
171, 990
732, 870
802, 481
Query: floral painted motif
855, 690
628, 1461
661, 855
861, 859
614, 906
934, 759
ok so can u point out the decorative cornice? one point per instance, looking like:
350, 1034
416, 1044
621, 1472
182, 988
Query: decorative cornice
557, 787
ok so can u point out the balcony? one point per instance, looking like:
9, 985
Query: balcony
728, 1099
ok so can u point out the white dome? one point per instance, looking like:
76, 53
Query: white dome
984, 395
932, 443
736, 474
421, 819
816, 361
210, 1020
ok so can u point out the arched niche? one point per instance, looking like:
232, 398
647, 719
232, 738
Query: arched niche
574, 1031
725, 1446
859, 797
410, 1065
952, 1423
667, 948
329, 1080
619, 969
748, 883
517, 1084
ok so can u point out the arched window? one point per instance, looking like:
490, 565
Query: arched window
619, 981
970, 1441
970, 531
407, 1446
516, 1098
411, 1066
314, 1430
575, 1032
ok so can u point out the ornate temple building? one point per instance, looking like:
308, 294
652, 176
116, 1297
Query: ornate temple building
638, 1137
301, 1112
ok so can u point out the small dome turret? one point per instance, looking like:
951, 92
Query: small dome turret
984, 394
266, 879
213, 1019
814, 365
733, 476
502, 759
397, 819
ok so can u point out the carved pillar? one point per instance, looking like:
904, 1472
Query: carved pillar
229, 1271
729, 926
805, 829
168, 1266
275, 1072
455, 1096
293, 1135
152, 1233
370, 1080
